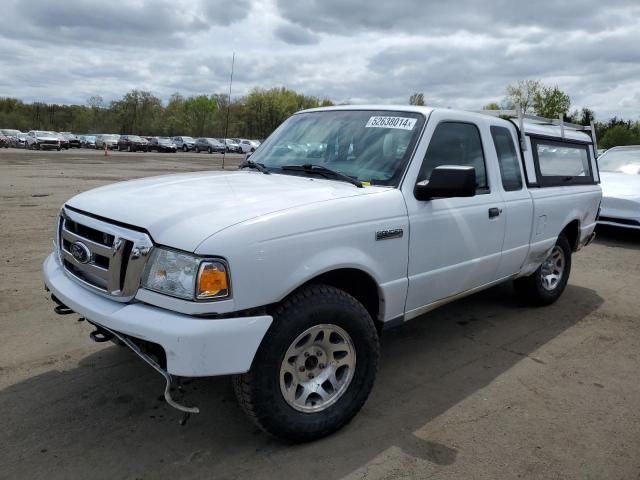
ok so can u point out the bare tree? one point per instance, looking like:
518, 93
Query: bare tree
523, 93
417, 99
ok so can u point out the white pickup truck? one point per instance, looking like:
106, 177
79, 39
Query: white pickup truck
345, 221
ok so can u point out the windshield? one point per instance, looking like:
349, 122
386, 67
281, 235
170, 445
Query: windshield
163, 140
370, 146
623, 160
187, 139
134, 138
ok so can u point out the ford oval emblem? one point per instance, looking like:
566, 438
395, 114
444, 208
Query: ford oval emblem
80, 252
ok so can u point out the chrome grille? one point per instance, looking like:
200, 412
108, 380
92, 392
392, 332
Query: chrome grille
105, 257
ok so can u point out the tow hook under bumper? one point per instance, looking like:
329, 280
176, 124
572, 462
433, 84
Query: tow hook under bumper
104, 334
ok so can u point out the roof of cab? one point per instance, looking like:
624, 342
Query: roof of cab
529, 127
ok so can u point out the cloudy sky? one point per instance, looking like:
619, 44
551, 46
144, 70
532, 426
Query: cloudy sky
460, 53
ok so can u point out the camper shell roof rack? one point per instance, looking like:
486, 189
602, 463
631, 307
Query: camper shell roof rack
517, 114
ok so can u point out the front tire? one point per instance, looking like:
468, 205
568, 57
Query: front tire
546, 284
185, 149
315, 368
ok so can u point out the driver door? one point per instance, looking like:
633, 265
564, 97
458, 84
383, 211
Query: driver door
455, 243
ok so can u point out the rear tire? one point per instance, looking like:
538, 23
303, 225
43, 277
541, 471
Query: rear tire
546, 284
209, 150
305, 382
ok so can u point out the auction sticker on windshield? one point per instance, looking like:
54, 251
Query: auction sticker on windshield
403, 123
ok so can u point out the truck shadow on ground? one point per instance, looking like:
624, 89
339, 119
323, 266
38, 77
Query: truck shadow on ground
104, 418
618, 237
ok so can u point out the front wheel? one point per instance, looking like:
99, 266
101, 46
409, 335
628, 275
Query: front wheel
315, 368
546, 284
210, 150
185, 149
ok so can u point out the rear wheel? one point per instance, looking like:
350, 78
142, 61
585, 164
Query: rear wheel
209, 150
546, 284
129, 149
315, 368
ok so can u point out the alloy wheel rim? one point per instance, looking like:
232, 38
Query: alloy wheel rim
317, 368
552, 269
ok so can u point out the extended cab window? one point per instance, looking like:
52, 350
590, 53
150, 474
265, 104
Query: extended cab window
507, 158
561, 163
456, 143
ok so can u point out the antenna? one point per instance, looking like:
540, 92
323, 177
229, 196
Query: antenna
226, 127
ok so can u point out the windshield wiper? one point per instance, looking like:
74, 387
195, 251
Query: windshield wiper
324, 171
257, 166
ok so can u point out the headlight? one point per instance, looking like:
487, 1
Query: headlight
186, 276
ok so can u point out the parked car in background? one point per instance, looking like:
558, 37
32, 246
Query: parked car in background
132, 143
184, 143
64, 141
73, 139
18, 141
230, 145
11, 134
209, 145
109, 139
620, 182
88, 141
41, 140
245, 145
162, 144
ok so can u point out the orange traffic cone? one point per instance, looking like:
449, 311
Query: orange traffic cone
106, 150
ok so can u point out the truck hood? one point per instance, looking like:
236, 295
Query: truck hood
183, 210
616, 184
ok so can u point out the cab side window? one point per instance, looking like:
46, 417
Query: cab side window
456, 143
507, 158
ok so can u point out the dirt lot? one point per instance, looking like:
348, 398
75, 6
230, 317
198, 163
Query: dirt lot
484, 388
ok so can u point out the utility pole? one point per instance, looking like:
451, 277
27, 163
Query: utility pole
226, 128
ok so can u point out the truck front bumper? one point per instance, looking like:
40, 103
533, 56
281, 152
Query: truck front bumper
194, 346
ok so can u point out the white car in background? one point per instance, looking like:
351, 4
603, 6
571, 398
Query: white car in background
245, 145
41, 140
620, 177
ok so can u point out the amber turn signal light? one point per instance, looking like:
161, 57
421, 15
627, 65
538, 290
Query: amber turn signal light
213, 280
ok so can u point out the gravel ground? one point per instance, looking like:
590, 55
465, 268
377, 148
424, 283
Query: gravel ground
484, 388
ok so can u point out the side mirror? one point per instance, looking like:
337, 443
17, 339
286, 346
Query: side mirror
447, 181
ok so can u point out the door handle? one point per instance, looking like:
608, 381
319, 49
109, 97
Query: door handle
494, 212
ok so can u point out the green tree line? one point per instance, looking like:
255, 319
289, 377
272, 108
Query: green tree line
255, 115
258, 113
549, 101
